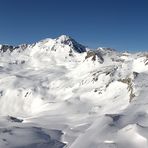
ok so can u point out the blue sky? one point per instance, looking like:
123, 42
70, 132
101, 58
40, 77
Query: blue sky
120, 24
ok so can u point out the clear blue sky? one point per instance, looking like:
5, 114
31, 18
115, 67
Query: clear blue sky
120, 24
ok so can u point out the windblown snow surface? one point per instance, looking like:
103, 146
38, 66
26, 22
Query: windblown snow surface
56, 93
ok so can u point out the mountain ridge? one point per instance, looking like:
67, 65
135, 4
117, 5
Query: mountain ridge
63, 39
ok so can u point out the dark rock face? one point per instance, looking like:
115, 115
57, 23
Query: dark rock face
90, 54
78, 47
13, 119
4, 48
135, 74
94, 54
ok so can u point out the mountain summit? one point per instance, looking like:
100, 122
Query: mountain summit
63, 39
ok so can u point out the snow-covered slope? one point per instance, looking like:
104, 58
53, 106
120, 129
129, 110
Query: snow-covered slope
58, 93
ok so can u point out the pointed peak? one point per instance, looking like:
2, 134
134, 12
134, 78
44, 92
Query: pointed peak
67, 40
64, 39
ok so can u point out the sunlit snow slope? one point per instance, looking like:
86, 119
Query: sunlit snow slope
57, 93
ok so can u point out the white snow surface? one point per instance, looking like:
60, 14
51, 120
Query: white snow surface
52, 95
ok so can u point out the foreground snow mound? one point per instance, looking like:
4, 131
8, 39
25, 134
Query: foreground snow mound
58, 93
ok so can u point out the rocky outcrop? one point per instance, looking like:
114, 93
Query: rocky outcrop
94, 55
5, 48
129, 83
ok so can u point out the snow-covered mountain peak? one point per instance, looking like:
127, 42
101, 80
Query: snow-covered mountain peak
63, 38
67, 40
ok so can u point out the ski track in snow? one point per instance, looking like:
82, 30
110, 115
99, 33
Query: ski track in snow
56, 93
